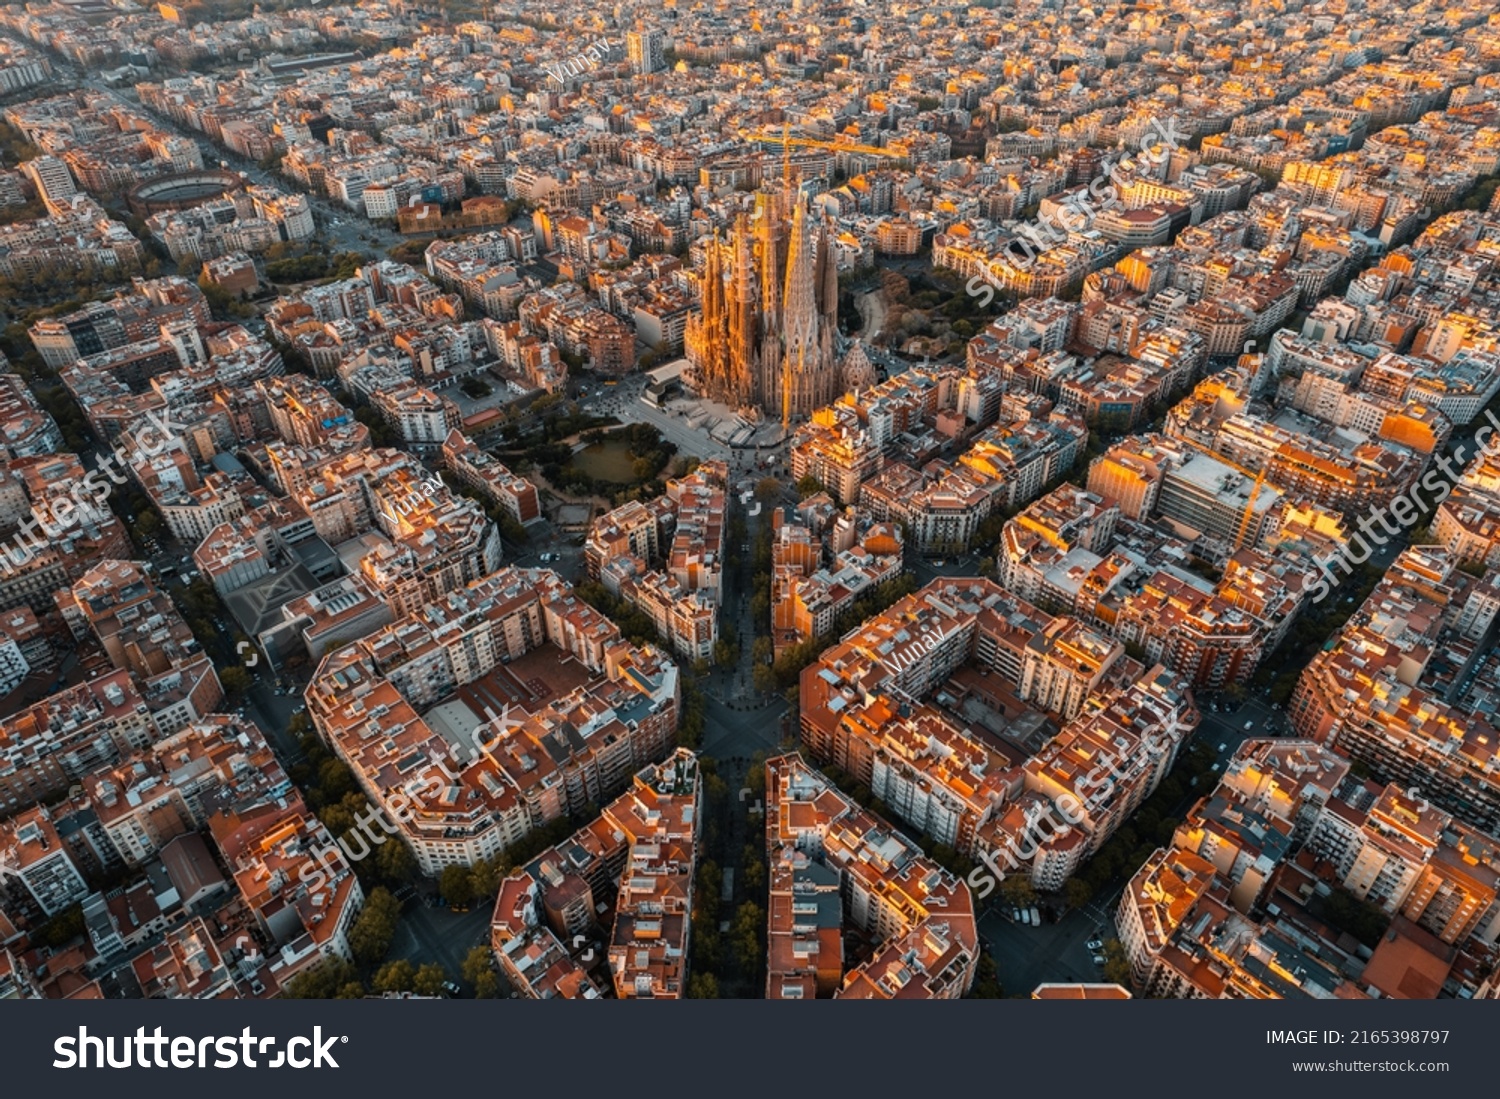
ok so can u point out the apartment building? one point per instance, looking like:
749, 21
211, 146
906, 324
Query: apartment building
589, 712
644, 843
481, 471
1385, 692
920, 916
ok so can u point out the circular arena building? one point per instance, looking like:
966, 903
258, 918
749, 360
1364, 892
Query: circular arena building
182, 190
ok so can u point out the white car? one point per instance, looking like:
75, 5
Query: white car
1250, 724
1098, 959
1034, 916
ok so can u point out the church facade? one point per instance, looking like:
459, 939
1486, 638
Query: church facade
766, 335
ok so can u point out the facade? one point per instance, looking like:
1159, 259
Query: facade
479, 470
646, 51
760, 340
643, 847
424, 680
835, 864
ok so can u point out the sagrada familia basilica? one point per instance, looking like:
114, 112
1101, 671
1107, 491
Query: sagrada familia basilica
767, 334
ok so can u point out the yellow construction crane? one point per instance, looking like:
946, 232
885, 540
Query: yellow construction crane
1260, 479
769, 138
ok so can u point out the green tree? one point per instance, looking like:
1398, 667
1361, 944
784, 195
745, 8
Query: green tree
1077, 892
767, 489
1017, 890
1347, 912
760, 610
511, 530
370, 937
457, 885
397, 976
1116, 965
479, 971
703, 986
428, 980
754, 874
484, 879
745, 935
235, 680
809, 486
755, 778
325, 982
334, 780
62, 928
395, 863
146, 525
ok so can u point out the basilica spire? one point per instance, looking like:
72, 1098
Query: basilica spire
764, 332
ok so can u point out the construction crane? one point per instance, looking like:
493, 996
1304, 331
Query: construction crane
1260, 479
769, 138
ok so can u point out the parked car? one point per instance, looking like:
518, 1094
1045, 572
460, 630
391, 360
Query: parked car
1096, 945
1098, 959
1034, 916
1250, 724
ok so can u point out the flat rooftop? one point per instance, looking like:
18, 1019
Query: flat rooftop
530, 681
